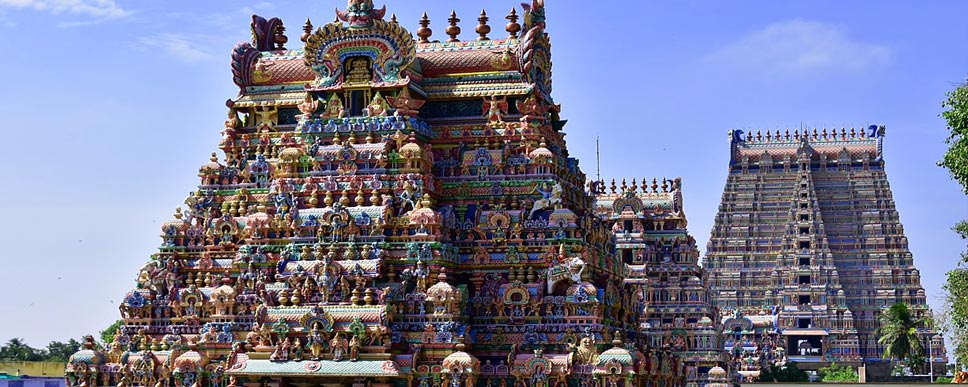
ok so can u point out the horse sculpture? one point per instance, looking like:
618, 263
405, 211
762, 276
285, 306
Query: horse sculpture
549, 199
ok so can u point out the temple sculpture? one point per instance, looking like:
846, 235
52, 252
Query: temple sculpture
392, 210
807, 249
648, 227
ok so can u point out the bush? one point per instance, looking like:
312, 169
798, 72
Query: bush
838, 374
788, 373
942, 379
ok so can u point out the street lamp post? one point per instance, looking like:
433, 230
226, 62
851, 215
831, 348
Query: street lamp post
931, 359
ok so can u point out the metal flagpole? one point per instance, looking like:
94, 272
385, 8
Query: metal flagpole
598, 161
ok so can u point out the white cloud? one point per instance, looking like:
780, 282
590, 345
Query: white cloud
97, 8
180, 47
802, 46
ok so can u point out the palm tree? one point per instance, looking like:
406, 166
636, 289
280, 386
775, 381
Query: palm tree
899, 334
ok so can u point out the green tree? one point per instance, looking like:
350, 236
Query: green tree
17, 350
58, 351
955, 160
107, 335
899, 334
787, 373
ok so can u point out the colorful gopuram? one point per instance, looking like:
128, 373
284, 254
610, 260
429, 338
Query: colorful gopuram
648, 228
391, 210
808, 248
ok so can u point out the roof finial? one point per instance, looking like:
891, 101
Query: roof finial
424, 32
307, 30
635, 186
512, 27
393, 18
483, 29
453, 29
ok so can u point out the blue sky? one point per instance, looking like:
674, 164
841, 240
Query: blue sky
111, 105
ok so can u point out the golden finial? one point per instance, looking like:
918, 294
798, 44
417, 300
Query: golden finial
624, 186
655, 185
374, 197
424, 32
360, 199
453, 29
344, 198
307, 31
612, 187
483, 29
635, 187
665, 185
512, 27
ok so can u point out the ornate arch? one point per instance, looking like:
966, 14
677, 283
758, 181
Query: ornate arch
389, 47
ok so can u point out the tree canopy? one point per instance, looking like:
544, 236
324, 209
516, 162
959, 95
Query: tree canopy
899, 334
955, 160
17, 350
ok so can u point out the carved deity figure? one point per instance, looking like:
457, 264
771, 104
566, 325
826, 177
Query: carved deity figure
308, 106
378, 107
338, 347
495, 109
404, 104
334, 107
355, 344
551, 197
585, 353
315, 341
268, 116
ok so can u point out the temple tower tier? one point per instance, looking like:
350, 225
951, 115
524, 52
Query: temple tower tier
807, 249
391, 209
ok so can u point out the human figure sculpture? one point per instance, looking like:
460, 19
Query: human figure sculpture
494, 109
378, 107
584, 353
308, 106
334, 107
550, 198
296, 350
315, 341
355, 344
338, 347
